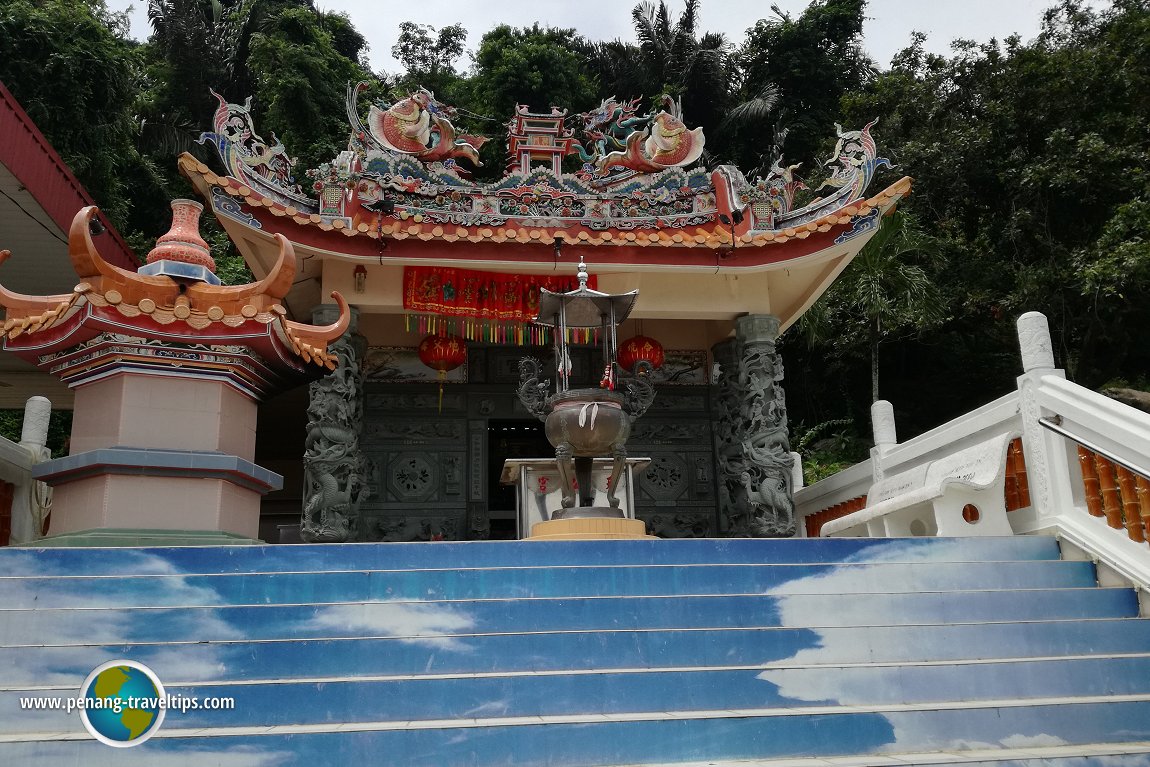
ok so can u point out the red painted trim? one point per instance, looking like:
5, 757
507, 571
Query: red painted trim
29, 156
413, 250
6, 493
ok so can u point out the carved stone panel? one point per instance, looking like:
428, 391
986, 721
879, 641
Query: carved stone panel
412, 477
421, 400
667, 402
655, 432
477, 459
413, 431
665, 478
414, 528
679, 524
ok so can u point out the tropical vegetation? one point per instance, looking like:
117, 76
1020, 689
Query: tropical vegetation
1030, 158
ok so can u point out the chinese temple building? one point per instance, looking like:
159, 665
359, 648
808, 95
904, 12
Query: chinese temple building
974, 595
722, 264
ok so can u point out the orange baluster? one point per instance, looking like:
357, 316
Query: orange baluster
1090, 482
1020, 473
1131, 517
1111, 504
1012, 497
1142, 487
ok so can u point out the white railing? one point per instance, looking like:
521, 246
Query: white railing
1081, 469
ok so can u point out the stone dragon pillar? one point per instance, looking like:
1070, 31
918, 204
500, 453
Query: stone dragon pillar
336, 472
728, 454
763, 502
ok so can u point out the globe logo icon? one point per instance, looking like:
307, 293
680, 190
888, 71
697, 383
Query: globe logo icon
123, 703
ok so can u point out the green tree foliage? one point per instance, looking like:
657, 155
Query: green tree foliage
300, 78
428, 58
677, 60
1030, 165
884, 294
804, 66
71, 66
538, 67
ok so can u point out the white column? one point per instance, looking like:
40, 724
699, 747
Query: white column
885, 436
1049, 466
31, 499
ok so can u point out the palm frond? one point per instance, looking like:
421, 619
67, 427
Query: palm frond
754, 110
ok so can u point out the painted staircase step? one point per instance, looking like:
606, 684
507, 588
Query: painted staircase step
374, 556
632, 580
431, 621
595, 693
190, 660
1083, 755
659, 737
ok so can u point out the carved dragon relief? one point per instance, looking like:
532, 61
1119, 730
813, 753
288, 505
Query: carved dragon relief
336, 472
667, 143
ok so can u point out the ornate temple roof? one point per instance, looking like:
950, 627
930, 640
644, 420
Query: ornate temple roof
400, 179
623, 183
525, 230
114, 315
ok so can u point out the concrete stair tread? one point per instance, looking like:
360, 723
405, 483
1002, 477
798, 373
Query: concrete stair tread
433, 585
574, 598
973, 756
643, 716
323, 557
604, 671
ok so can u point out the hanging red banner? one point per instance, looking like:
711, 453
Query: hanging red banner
484, 295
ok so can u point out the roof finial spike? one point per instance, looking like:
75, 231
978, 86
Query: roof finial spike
582, 273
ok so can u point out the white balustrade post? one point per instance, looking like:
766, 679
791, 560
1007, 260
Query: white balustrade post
1048, 464
31, 499
885, 435
37, 414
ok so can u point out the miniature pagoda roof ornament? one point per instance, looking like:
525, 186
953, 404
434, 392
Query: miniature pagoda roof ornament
115, 317
584, 307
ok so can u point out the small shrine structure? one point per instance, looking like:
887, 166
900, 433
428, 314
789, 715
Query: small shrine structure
398, 223
538, 139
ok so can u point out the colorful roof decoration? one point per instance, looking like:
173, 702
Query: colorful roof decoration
115, 318
403, 178
532, 137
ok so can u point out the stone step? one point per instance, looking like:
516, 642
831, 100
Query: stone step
273, 702
668, 736
456, 584
399, 556
435, 623
189, 660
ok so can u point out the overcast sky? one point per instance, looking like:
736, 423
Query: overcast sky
887, 30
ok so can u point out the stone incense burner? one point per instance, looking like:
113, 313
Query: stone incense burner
592, 422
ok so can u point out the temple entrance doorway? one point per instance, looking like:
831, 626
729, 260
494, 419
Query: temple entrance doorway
510, 438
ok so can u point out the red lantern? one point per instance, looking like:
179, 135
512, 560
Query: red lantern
639, 348
442, 354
